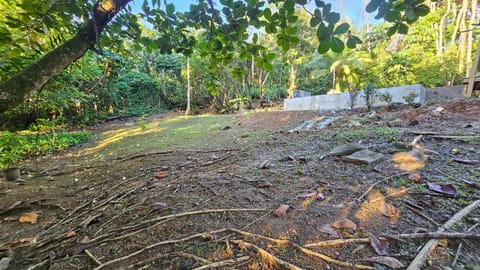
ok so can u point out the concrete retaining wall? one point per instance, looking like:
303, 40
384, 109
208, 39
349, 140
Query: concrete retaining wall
343, 100
444, 93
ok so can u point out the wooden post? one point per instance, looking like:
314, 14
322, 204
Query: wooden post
471, 80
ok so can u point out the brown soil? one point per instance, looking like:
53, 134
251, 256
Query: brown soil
112, 207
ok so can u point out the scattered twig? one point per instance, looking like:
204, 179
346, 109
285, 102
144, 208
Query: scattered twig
422, 215
451, 137
191, 256
271, 259
306, 251
421, 257
397, 237
223, 263
359, 199
467, 161
40, 264
211, 162
420, 132
166, 242
459, 249
89, 254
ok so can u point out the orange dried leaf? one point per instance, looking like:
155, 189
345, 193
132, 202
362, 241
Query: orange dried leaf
415, 177
407, 162
388, 210
388, 261
69, 234
344, 224
30, 217
160, 175
281, 211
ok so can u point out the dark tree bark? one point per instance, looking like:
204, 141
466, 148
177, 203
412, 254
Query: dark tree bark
15, 90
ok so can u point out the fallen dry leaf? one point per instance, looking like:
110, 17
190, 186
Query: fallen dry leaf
264, 184
30, 217
88, 220
281, 211
407, 161
310, 195
68, 234
388, 210
388, 261
344, 224
380, 246
443, 188
471, 184
160, 175
415, 177
327, 228
159, 205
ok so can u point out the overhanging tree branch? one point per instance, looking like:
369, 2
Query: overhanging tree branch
15, 90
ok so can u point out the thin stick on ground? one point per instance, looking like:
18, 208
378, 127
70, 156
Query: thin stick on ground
422, 215
421, 257
359, 199
89, 254
166, 242
269, 258
428, 235
223, 263
306, 251
459, 249
162, 219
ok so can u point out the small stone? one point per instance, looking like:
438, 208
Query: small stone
455, 151
364, 157
346, 149
395, 123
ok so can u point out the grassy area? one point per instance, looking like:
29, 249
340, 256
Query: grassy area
176, 133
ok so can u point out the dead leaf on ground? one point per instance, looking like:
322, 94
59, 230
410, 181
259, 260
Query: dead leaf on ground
327, 228
310, 195
379, 245
88, 220
388, 261
30, 217
471, 184
160, 175
407, 162
281, 211
69, 234
388, 210
344, 224
443, 188
415, 177
159, 205
263, 184
77, 248
378, 168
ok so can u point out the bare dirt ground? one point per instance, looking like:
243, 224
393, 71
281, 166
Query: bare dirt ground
202, 193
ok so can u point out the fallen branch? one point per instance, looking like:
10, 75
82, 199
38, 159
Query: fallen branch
421, 257
428, 235
459, 249
451, 137
161, 220
467, 161
193, 257
166, 242
271, 259
306, 251
223, 263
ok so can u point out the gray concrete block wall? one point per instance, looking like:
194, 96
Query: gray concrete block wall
342, 100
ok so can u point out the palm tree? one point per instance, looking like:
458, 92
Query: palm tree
344, 67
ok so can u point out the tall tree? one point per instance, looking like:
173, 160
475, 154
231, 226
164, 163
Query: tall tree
226, 28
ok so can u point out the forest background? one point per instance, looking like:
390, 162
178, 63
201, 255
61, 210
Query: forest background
122, 77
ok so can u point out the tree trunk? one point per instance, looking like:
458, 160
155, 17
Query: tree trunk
189, 89
470, 37
441, 40
462, 47
15, 90
459, 20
